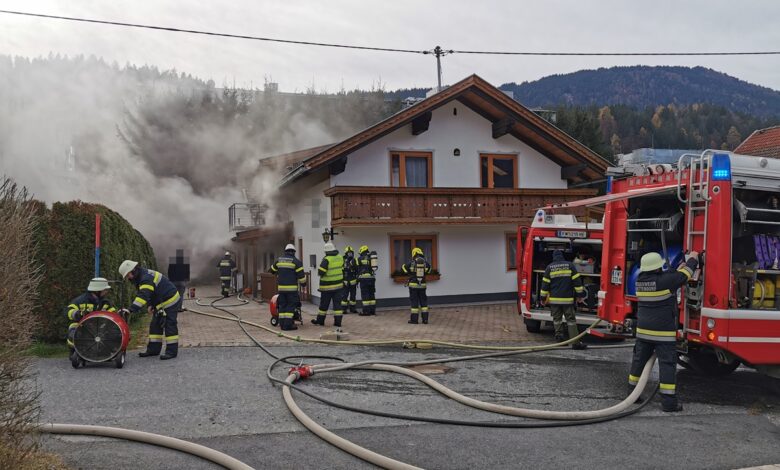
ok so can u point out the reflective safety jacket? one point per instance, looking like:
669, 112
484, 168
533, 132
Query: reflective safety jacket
153, 289
657, 313
364, 266
226, 266
331, 272
86, 303
417, 269
350, 269
561, 283
289, 272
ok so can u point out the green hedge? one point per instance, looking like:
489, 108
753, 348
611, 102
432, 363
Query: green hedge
66, 250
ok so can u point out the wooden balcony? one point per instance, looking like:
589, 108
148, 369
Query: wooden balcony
367, 205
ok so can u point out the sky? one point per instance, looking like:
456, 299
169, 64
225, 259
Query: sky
544, 26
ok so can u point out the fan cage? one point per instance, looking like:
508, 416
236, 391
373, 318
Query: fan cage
98, 339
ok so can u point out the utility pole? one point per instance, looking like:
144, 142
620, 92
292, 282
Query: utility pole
438, 52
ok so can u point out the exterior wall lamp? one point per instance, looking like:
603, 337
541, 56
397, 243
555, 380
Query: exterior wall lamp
328, 234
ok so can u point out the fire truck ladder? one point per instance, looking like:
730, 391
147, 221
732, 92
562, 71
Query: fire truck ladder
696, 202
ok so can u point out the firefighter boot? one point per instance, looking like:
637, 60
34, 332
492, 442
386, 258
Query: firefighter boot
152, 349
320, 320
669, 404
425, 318
337, 321
413, 318
287, 324
171, 350
573, 331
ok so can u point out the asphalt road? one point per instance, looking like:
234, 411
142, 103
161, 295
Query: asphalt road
220, 397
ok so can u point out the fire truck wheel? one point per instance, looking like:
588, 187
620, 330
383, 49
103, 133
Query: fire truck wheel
274, 321
533, 326
706, 363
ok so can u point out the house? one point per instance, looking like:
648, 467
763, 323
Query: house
453, 174
761, 143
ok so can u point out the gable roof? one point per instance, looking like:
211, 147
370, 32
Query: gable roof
761, 143
292, 159
505, 113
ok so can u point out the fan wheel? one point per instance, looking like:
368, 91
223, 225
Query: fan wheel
98, 339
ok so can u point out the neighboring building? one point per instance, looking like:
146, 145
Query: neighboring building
453, 174
761, 143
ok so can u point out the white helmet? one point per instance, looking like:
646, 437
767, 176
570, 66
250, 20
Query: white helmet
127, 266
329, 247
227, 253
98, 284
289, 247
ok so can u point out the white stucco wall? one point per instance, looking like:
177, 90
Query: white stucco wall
468, 131
472, 260
300, 211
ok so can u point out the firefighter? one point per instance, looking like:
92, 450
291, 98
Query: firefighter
367, 282
289, 275
561, 285
418, 298
349, 302
331, 272
93, 300
160, 297
226, 267
657, 321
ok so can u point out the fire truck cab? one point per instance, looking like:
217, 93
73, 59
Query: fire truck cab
724, 206
581, 243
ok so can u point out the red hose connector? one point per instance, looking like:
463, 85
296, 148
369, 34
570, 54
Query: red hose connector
302, 371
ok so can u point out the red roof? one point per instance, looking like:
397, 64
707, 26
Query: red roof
762, 143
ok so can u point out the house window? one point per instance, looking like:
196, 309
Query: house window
498, 171
411, 170
511, 251
401, 250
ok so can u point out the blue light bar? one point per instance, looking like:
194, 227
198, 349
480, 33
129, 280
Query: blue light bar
721, 167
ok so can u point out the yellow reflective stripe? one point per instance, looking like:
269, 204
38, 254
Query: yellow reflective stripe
157, 277
561, 272
111, 309
285, 264
299, 269
147, 287
168, 302
139, 301
553, 299
656, 293
664, 386
545, 279
172, 339
579, 289
633, 378
656, 332
288, 286
686, 270
575, 276
544, 292
322, 269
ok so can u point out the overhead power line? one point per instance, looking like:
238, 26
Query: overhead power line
211, 33
438, 52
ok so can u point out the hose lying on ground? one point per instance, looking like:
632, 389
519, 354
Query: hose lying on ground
149, 438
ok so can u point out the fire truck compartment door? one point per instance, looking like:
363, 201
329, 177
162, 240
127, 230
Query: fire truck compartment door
598, 200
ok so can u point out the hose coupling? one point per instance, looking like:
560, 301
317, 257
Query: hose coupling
301, 371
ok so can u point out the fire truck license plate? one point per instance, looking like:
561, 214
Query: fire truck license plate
572, 234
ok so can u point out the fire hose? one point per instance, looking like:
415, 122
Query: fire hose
567, 418
149, 438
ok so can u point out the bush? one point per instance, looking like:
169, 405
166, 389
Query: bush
19, 279
65, 237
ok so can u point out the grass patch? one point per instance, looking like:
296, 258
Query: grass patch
139, 330
46, 350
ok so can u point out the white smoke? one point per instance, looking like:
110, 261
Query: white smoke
60, 131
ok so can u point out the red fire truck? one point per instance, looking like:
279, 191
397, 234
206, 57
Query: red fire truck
725, 206
580, 242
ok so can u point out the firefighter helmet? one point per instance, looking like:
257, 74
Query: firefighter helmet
651, 262
417, 251
289, 247
363, 249
98, 284
329, 247
126, 267
348, 249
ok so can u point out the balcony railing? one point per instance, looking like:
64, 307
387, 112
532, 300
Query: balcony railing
361, 205
244, 216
